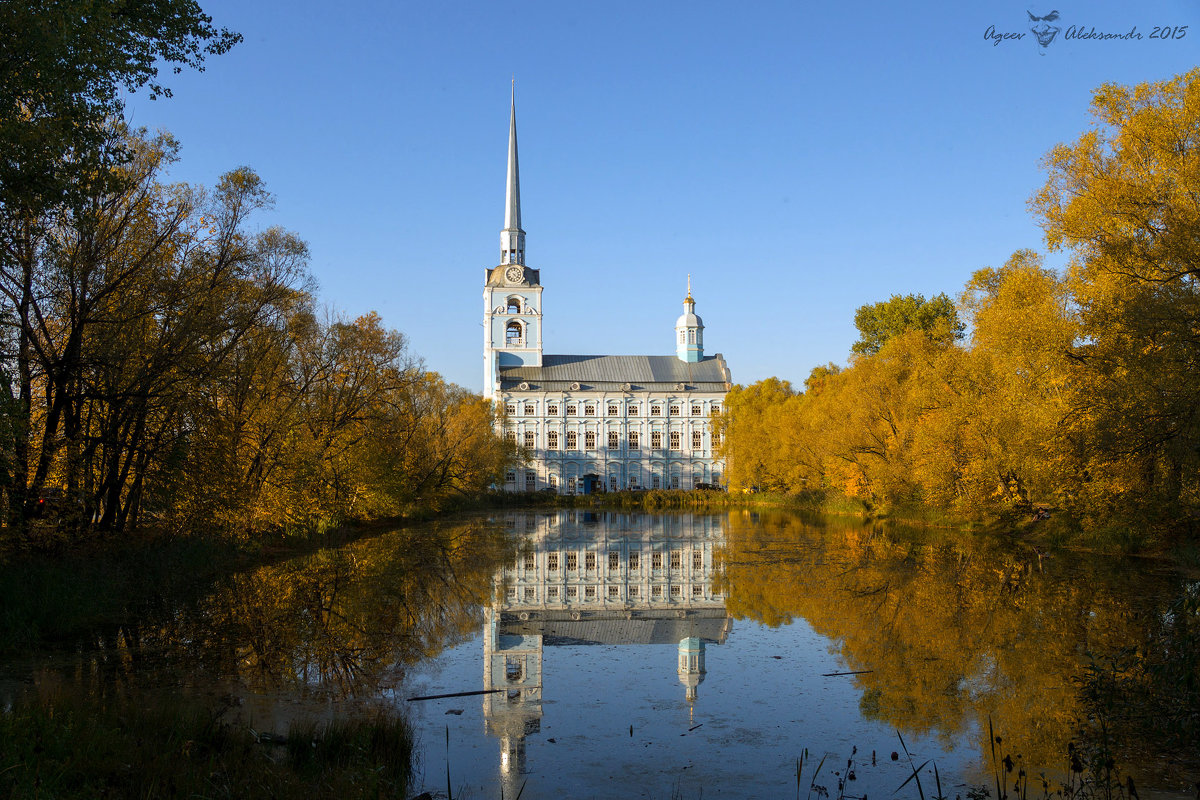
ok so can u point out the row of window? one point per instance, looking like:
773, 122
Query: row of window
634, 441
571, 560
529, 409
656, 481
571, 440
554, 593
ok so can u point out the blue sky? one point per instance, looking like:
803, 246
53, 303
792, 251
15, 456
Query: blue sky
798, 159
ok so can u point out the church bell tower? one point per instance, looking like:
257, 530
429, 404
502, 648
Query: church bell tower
512, 292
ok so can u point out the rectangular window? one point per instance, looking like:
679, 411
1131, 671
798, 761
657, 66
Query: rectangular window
529, 409
530, 439
589, 592
695, 409
614, 592
530, 485
510, 408
552, 409
656, 591
675, 411
633, 411
635, 440
614, 440
572, 409
511, 593
589, 440
510, 477
676, 591
656, 441
635, 561
552, 593
552, 562
529, 559
656, 561
589, 410
635, 591
697, 591
697, 440
552, 480
614, 560
697, 560
589, 561
676, 559
530, 594
612, 409
572, 592
675, 440
551, 440
572, 440
716, 408
572, 562
656, 480
656, 411
511, 436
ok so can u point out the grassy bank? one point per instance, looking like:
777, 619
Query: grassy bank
70, 748
690, 500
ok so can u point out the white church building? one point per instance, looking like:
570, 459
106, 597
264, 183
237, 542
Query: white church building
593, 422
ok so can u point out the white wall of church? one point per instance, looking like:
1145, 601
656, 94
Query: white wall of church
645, 440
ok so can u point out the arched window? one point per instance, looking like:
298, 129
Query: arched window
691, 337
513, 335
514, 305
681, 339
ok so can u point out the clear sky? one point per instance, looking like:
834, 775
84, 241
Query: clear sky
798, 159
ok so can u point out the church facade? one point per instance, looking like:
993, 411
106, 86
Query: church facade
593, 422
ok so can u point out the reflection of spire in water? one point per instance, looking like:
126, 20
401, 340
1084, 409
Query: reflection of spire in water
584, 578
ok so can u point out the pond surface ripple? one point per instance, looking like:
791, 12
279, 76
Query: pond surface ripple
642, 655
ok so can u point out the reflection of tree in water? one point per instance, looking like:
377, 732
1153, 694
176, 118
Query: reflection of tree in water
332, 622
953, 632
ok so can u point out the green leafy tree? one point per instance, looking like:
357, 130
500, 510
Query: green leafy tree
879, 322
63, 67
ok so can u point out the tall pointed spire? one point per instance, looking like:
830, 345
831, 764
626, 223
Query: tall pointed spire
512, 238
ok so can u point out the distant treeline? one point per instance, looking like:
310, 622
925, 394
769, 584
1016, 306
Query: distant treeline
1078, 391
161, 360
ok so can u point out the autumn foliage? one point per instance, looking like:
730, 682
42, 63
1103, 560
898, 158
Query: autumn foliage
1078, 391
165, 363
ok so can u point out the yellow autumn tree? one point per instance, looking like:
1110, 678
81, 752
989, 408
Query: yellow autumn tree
1122, 200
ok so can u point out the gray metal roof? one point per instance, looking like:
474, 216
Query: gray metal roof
712, 627
643, 372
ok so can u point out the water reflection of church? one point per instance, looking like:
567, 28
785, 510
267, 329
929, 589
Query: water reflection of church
586, 578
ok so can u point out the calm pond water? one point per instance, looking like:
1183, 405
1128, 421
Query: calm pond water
642, 655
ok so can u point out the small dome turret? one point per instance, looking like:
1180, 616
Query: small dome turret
689, 330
